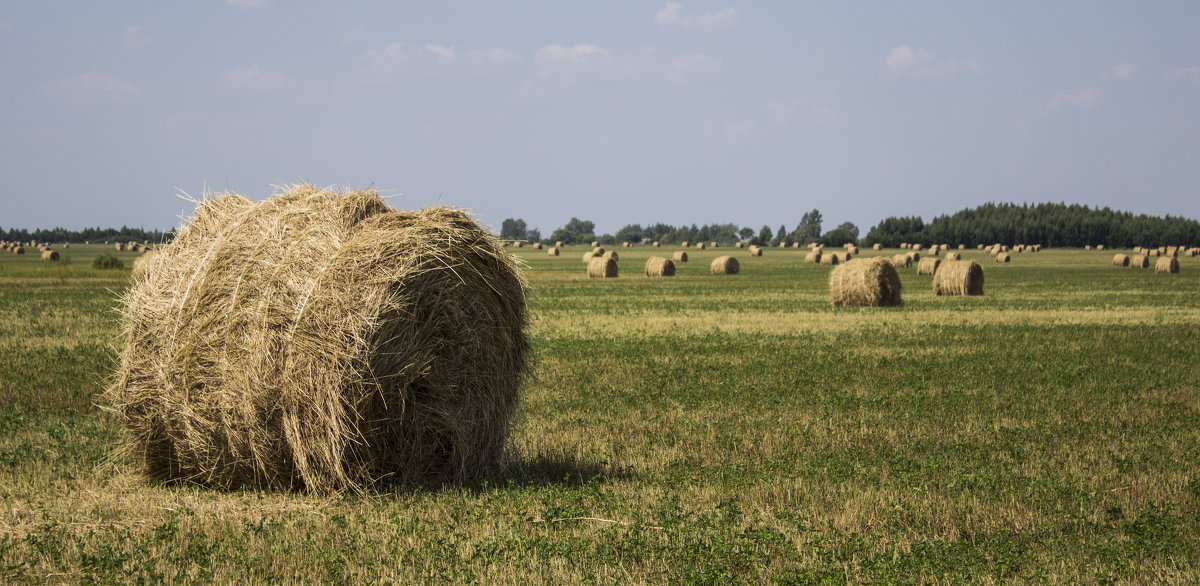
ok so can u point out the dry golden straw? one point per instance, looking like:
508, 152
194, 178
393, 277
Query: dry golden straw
679, 256
602, 267
953, 256
552, 251
755, 251
870, 282
902, 260
813, 257
322, 341
1003, 257
1166, 264
958, 277
657, 266
49, 255
878, 246
1139, 261
725, 265
612, 254
1120, 260
588, 256
928, 265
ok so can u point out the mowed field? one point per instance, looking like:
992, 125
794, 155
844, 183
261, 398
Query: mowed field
700, 428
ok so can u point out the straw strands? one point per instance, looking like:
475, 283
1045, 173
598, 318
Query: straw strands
958, 277
322, 341
602, 267
657, 266
725, 265
1166, 264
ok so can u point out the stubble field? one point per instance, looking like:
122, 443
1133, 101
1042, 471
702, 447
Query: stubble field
698, 429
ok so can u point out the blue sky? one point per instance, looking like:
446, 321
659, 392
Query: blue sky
616, 112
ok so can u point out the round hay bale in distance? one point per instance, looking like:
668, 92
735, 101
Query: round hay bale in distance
657, 266
50, 255
1166, 264
602, 267
725, 265
958, 277
813, 257
830, 259
322, 341
598, 250
878, 246
755, 250
953, 256
679, 256
700, 246
18, 249
1120, 260
558, 243
865, 282
612, 254
1003, 257
1139, 261
588, 256
928, 265
552, 251
901, 260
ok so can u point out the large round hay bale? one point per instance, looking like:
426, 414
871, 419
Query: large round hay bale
588, 256
725, 265
612, 254
684, 244
914, 256
552, 251
928, 265
870, 282
602, 267
700, 246
831, 259
657, 266
322, 341
916, 247
953, 256
1166, 264
958, 277
852, 250
598, 250
18, 249
813, 257
558, 243
679, 256
1120, 260
755, 250
901, 260
1003, 257
878, 246
51, 255
1139, 261
119, 246
537, 245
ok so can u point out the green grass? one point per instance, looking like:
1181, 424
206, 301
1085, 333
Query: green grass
706, 429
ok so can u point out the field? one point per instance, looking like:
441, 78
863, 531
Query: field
701, 429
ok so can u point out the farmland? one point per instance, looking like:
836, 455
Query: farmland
697, 428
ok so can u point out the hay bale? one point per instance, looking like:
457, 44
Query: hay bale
914, 256
18, 249
713, 245
831, 259
1154, 253
1166, 264
852, 249
50, 255
783, 244
558, 243
916, 247
1003, 257
595, 243
699, 246
1139, 261
518, 244
598, 250
755, 251
813, 257
657, 266
537, 245
119, 246
738, 244
865, 282
928, 266
901, 260
588, 256
141, 265
656, 244
322, 341
1099, 247
979, 247
602, 267
725, 265
627, 244
1087, 246
953, 256
684, 244
1120, 260
552, 251
958, 277
878, 246
679, 256
612, 254
962, 246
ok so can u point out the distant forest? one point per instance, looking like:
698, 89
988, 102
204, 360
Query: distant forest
1048, 224
122, 234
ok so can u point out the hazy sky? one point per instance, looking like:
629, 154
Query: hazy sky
616, 112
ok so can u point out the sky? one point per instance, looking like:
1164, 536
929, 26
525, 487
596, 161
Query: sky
618, 112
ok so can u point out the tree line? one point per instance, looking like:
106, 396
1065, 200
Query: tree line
122, 234
578, 231
1048, 224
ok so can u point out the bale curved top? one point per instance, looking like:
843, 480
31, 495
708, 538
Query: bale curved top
322, 341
